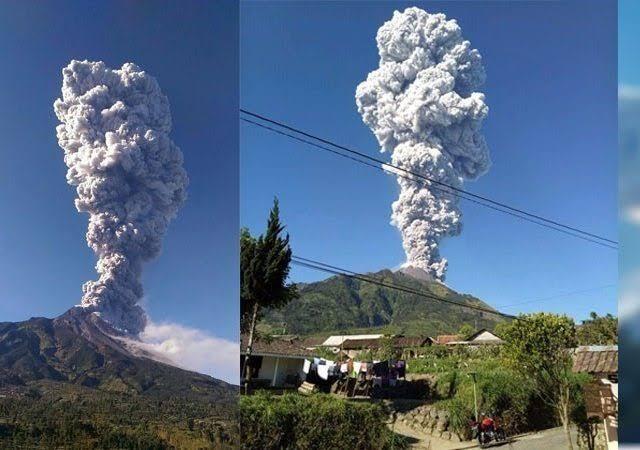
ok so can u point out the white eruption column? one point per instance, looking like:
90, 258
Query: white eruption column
128, 174
422, 105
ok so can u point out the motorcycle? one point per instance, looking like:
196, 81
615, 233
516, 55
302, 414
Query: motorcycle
487, 433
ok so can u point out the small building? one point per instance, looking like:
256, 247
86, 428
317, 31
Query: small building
601, 395
276, 362
480, 337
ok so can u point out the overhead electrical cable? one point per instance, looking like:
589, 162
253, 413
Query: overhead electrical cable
564, 294
365, 159
382, 169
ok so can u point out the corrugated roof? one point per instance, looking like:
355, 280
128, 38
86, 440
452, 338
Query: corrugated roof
596, 359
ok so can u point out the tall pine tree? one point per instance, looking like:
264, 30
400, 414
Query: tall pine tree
264, 270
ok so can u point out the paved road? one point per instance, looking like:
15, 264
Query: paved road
552, 439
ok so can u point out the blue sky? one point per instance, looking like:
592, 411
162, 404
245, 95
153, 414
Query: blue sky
552, 132
191, 48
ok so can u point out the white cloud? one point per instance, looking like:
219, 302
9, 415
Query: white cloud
193, 349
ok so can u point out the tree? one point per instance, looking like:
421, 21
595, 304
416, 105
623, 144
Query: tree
539, 346
264, 269
602, 330
466, 330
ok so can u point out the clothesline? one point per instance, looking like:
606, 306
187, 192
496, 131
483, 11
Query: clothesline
389, 369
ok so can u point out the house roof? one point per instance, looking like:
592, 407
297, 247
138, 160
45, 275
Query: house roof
412, 341
357, 344
479, 332
596, 359
446, 338
276, 346
335, 341
313, 341
396, 341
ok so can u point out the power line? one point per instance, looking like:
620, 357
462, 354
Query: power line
498, 206
459, 195
317, 265
564, 294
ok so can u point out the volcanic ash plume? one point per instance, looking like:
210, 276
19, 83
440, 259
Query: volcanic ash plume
422, 106
129, 177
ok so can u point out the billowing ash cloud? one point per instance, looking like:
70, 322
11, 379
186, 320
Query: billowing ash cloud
129, 175
422, 105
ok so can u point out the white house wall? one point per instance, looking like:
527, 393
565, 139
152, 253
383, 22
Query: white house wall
285, 366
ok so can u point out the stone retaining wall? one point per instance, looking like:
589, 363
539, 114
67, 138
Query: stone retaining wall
423, 417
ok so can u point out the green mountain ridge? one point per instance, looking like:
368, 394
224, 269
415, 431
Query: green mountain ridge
340, 304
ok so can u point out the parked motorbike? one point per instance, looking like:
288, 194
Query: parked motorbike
488, 432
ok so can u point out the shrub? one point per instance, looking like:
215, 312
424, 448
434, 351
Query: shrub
500, 392
293, 421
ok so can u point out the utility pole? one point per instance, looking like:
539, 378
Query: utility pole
475, 395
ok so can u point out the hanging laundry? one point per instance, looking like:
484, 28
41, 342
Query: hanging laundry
381, 368
323, 371
307, 366
401, 368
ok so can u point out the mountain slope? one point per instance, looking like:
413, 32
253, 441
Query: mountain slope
76, 371
340, 304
